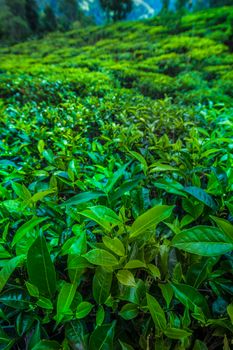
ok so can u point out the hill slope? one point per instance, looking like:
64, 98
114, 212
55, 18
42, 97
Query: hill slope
186, 61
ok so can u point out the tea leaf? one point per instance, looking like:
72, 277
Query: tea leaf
129, 311
104, 216
9, 268
100, 257
135, 264
156, 312
83, 309
82, 198
26, 228
126, 278
40, 268
47, 345
102, 337
201, 195
101, 285
150, 219
190, 297
203, 240
64, 300
176, 333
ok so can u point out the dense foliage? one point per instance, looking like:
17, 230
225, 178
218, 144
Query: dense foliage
21, 19
116, 187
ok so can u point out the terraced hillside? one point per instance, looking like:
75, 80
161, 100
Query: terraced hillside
187, 61
116, 187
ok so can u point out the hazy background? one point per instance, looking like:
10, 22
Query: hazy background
21, 19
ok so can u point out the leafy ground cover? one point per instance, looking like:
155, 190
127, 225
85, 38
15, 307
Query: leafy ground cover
116, 187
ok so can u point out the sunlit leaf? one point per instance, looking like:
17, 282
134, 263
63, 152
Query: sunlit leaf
100, 257
26, 228
150, 219
203, 240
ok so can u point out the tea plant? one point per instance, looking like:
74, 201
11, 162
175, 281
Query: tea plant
116, 208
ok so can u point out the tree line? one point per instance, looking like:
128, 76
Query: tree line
20, 19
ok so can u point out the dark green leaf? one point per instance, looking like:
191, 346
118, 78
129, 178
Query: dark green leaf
156, 312
16, 299
8, 269
167, 293
199, 345
100, 315
201, 195
24, 323
135, 294
230, 311
45, 303
26, 228
21, 191
83, 198
40, 268
76, 335
32, 290
129, 311
141, 159
199, 272
101, 285
190, 297
224, 225
125, 346
47, 345
83, 309
114, 179
4, 339
4, 254
127, 186
102, 337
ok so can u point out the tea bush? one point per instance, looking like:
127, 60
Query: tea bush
116, 184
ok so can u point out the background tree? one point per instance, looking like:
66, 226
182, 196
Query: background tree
216, 3
121, 9
17, 7
180, 4
116, 10
165, 4
69, 11
32, 15
12, 28
199, 5
106, 6
13, 23
49, 20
